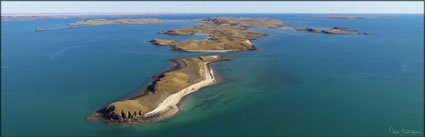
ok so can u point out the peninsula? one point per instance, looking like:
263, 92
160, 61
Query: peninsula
225, 34
118, 21
159, 99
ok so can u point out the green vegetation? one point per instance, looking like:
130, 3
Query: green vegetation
183, 73
225, 34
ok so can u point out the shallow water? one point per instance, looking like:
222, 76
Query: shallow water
296, 83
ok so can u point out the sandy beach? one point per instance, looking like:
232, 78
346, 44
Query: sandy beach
169, 105
249, 42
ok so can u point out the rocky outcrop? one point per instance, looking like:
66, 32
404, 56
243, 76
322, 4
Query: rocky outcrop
123, 110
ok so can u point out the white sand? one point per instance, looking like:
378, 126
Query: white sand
171, 101
249, 42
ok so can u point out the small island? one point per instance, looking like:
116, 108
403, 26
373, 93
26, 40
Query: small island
159, 99
349, 17
118, 21
225, 34
40, 30
333, 30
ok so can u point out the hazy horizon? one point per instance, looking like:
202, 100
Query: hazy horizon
210, 7
136, 13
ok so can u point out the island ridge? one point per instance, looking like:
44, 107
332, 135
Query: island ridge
225, 34
159, 99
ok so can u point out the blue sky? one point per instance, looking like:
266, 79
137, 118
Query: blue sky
212, 7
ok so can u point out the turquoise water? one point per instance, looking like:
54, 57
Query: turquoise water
296, 83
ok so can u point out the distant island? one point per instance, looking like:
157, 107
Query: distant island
333, 30
159, 99
41, 16
40, 30
118, 21
365, 16
14, 18
225, 34
113, 21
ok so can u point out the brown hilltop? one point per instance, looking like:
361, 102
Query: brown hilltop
225, 34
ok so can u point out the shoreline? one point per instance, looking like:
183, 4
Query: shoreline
224, 34
170, 105
172, 101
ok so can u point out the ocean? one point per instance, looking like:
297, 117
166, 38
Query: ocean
294, 84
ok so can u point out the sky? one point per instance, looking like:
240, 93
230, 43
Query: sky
76, 7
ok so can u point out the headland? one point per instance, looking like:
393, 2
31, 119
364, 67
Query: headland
159, 99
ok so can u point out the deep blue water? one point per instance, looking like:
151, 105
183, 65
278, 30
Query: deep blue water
296, 83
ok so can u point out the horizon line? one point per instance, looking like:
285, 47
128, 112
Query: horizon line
141, 13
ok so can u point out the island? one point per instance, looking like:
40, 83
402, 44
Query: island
333, 30
159, 99
30, 17
349, 17
40, 30
225, 34
117, 21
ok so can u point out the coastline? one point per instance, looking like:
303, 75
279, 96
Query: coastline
224, 34
169, 106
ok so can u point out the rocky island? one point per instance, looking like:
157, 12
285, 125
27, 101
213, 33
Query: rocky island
159, 99
333, 30
118, 21
225, 34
